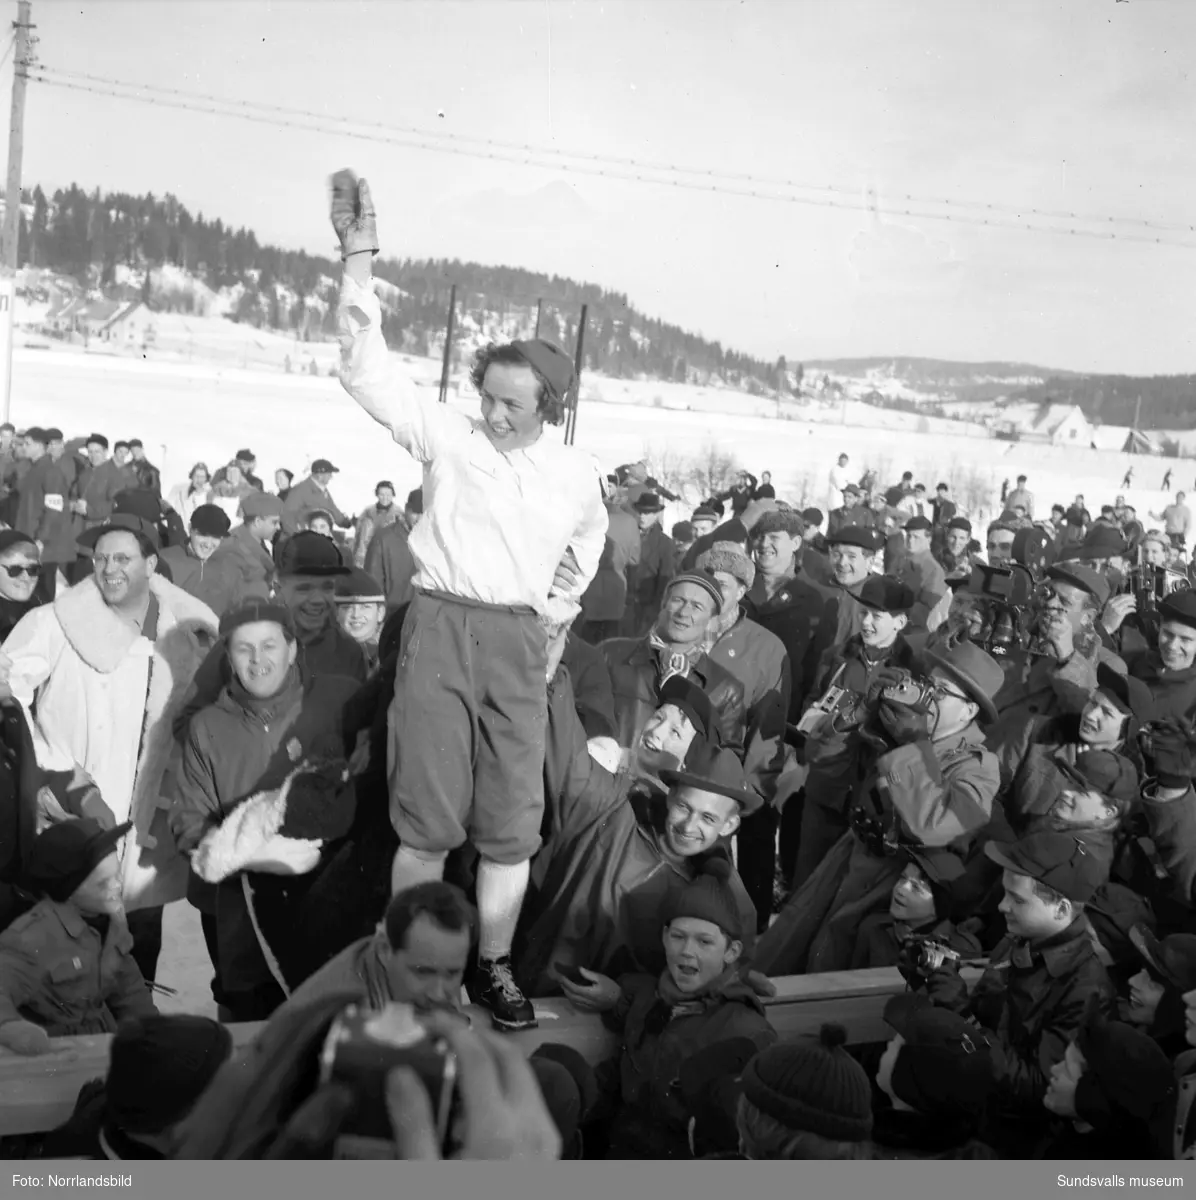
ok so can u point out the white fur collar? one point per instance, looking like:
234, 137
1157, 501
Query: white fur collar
101, 639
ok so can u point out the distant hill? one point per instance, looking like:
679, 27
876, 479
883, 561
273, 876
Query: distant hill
119, 245
1168, 401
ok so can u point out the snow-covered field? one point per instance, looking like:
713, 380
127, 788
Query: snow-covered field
187, 412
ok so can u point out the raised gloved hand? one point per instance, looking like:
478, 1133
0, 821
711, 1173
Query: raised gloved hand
1169, 748
353, 215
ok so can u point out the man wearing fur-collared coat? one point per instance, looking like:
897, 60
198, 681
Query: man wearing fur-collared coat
105, 669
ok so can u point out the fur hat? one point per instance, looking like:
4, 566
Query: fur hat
731, 558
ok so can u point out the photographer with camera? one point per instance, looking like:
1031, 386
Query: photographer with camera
1033, 996
830, 724
925, 778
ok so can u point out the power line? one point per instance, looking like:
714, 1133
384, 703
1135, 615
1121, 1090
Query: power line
639, 164
546, 160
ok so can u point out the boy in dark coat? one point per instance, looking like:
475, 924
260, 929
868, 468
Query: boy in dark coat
1032, 998
698, 999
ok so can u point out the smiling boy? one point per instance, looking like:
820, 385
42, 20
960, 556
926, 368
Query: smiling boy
512, 532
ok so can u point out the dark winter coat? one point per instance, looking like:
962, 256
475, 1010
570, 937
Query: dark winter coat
803, 617
302, 500
601, 880
234, 750
389, 560
44, 510
1032, 998
215, 581
652, 1121
634, 680
99, 487
591, 687
1173, 693
657, 565
244, 558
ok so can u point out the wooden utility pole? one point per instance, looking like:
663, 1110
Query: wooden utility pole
1137, 413
571, 408
448, 347
539, 309
12, 195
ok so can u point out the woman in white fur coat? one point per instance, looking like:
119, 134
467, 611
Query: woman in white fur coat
102, 673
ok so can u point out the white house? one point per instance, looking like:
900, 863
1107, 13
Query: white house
133, 325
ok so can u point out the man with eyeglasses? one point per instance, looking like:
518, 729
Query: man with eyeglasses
512, 532
925, 779
105, 669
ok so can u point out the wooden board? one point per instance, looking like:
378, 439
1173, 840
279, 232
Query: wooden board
37, 1094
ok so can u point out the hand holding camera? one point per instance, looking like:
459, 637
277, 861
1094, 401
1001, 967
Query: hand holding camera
502, 1113
945, 986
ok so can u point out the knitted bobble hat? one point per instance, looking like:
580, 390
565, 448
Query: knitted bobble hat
813, 1086
708, 897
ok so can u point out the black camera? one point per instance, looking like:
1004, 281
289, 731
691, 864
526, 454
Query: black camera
362, 1047
998, 610
920, 956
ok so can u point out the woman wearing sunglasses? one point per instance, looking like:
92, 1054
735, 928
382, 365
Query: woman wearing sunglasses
22, 586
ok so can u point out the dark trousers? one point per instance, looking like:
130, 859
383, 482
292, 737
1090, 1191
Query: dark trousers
757, 844
207, 922
789, 841
146, 927
255, 1005
823, 822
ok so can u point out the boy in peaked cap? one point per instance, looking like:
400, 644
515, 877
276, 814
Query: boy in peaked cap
66, 966
700, 998
361, 609
512, 532
1033, 996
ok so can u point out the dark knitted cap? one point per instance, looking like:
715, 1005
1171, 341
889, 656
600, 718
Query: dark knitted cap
708, 897
160, 1066
813, 1086
253, 611
210, 520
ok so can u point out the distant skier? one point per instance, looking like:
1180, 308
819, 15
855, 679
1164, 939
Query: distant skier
1129, 476
1004, 489
1167, 481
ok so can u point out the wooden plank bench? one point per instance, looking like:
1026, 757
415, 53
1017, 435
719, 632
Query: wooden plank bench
37, 1094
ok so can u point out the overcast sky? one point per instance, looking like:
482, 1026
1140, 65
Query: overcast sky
1084, 106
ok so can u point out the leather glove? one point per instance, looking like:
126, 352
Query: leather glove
1170, 749
946, 988
903, 724
353, 215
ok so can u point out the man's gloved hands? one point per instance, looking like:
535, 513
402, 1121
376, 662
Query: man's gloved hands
353, 215
1169, 747
946, 988
903, 724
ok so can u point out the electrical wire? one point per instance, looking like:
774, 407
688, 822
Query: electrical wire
659, 175
640, 164
12, 41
